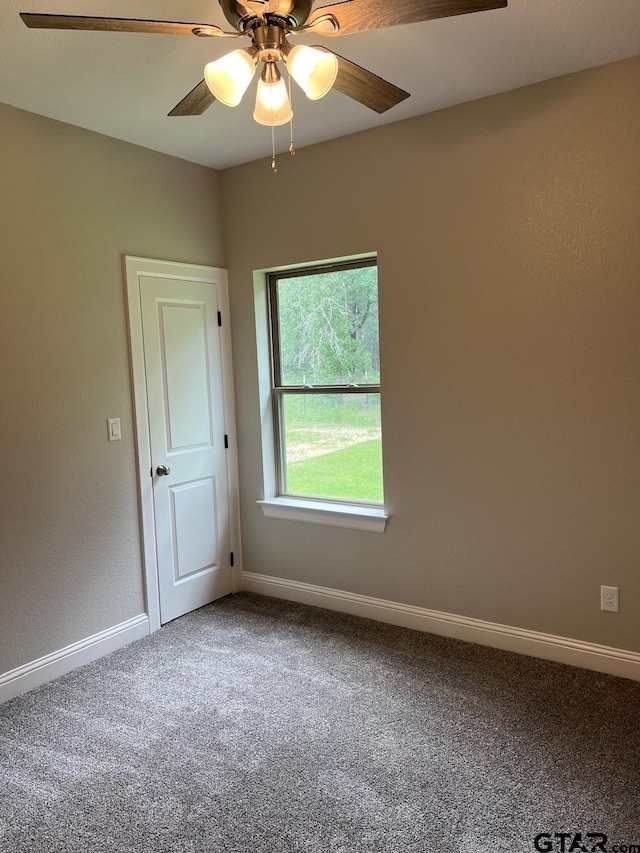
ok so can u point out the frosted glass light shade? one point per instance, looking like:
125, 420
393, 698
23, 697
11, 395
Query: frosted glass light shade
229, 77
313, 70
272, 104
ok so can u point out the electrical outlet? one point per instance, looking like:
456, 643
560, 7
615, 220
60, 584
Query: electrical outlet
609, 598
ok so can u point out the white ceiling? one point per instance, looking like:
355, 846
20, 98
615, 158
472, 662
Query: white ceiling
124, 84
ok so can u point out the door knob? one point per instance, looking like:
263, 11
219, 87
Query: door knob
163, 471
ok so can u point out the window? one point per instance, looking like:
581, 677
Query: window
326, 384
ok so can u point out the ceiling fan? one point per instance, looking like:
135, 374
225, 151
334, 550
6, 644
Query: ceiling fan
267, 24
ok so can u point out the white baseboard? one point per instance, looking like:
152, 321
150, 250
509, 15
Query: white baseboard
605, 659
39, 671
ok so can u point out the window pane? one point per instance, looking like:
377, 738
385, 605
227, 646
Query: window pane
332, 446
329, 328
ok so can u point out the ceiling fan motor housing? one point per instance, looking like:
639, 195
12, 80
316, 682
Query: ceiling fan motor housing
269, 43
295, 12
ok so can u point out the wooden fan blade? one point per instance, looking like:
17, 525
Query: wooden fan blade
358, 16
196, 102
365, 86
114, 25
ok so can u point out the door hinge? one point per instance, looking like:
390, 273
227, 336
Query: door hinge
231, 556
219, 318
226, 442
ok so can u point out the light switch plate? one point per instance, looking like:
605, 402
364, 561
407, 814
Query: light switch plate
114, 429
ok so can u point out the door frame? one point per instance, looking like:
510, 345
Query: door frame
134, 269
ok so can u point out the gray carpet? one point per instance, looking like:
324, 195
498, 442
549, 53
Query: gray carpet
259, 726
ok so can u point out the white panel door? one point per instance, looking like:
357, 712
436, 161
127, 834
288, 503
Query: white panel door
182, 353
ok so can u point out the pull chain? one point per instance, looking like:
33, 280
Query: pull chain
274, 165
292, 148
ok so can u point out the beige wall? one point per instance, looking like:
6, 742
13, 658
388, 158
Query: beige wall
507, 236
71, 204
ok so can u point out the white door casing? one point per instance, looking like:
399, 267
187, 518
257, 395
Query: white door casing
181, 361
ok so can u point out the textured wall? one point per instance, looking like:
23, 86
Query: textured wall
507, 236
71, 204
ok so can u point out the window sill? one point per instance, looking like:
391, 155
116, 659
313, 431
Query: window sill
368, 518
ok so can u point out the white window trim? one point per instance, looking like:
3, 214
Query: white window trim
332, 513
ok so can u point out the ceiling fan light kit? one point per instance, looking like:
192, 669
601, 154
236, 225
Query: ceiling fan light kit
314, 70
229, 77
268, 23
273, 106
